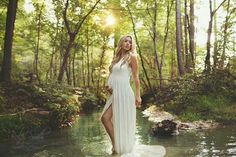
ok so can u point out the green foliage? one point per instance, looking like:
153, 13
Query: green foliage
61, 114
61, 103
190, 116
17, 125
89, 101
225, 115
204, 97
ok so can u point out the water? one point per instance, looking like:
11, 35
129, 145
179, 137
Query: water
87, 138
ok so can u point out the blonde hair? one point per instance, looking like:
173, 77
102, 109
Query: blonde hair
127, 56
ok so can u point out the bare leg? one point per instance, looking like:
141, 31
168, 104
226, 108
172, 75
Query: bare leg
106, 120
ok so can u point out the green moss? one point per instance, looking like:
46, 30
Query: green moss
190, 116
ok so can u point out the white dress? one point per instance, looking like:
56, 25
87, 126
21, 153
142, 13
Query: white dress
124, 113
123, 107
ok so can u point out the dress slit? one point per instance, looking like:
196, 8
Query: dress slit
107, 105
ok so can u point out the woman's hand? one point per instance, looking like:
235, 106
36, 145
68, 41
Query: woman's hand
138, 102
109, 89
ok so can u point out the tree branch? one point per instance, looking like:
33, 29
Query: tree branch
148, 11
65, 17
212, 14
79, 24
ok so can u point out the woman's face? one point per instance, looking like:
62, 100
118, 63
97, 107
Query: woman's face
127, 43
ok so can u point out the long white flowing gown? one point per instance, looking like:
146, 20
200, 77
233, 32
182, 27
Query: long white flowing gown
124, 112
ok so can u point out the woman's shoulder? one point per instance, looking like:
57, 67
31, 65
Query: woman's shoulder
133, 58
133, 55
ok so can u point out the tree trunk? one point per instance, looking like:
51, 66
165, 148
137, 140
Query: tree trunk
215, 51
87, 56
154, 32
73, 68
65, 57
209, 31
68, 71
104, 47
50, 69
178, 38
208, 55
140, 53
92, 68
173, 63
82, 69
187, 64
191, 35
60, 55
36, 55
68, 74
169, 7
6, 65
225, 36
53, 56
72, 35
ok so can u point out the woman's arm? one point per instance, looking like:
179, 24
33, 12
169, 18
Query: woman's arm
135, 73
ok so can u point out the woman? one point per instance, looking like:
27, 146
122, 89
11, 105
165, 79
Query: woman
119, 114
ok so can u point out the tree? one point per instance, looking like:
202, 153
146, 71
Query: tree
225, 36
191, 34
154, 38
11, 16
140, 52
178, 38
215, 51
187, 61
39, 26
72, 34
209, 31
168, 12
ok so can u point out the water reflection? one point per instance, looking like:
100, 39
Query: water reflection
217, 142
87, 138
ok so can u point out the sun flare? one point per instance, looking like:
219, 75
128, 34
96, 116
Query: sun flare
110, 20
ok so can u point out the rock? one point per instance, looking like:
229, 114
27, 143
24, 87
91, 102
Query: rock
165, 127
156, 115
167, 124
196, 125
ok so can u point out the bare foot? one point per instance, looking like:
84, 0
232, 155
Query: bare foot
113, 151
